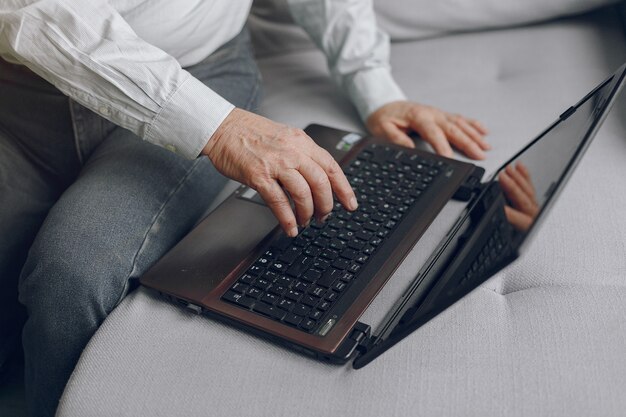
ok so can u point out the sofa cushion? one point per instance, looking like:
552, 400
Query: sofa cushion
274, 32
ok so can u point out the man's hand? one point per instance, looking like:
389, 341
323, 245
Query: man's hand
440, 129
273, 159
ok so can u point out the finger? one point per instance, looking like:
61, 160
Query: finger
431, 133
338, 181
462, 141
277, 201
472, 132
521, 182
298, 188
321, 190
518, 220
514, 193
524, 171
479, 126
397, 136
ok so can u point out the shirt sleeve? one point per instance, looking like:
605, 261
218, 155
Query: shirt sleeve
357, 50
90, 53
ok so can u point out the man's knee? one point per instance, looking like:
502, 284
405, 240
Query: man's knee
77, 279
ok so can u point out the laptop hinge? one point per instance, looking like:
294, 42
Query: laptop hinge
471, 186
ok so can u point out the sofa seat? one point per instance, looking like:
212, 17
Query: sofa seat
546, 336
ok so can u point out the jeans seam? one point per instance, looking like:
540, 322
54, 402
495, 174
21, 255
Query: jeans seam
253, 96
151, 226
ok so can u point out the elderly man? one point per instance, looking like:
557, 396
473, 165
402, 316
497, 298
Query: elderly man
110, 151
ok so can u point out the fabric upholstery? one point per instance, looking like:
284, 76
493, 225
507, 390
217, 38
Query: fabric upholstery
416, 19
546, 336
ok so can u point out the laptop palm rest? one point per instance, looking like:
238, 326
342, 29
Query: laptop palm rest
211, 251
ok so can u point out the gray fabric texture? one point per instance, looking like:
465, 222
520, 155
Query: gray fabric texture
545, 337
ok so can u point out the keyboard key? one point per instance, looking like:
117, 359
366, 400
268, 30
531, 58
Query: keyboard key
356, 244
262, 284
317, 291
255, 270
285, 304
290, 255
341, 263
299, 266
324, 305
293, 319
232, 296
271, 311
247, 279
278, 289
316, 314
284, 281
312, 250
308, 324
329, 277
362, 258
254, 292
311, 275
270, 276
364, 235
269, 298
278, 266
329, 254
293, 295
349, 254
239, 287
309, 300
301, 310
337, 244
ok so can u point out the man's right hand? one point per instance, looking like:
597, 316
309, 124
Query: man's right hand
275, 159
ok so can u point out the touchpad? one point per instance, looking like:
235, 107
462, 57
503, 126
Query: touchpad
214, 248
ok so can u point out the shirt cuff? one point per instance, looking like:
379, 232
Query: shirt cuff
188, 119
370, 89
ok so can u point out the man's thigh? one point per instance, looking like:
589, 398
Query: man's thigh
131, 203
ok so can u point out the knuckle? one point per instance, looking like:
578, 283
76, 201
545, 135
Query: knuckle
321, 182
299, 192
259, 183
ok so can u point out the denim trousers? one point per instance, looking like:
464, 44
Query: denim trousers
85, 208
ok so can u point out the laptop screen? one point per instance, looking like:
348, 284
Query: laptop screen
531, 179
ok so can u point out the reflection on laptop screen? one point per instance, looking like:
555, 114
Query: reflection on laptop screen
531, 178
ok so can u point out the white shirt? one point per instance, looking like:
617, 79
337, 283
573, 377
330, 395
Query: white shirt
123, 59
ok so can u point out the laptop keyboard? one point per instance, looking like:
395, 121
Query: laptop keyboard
297, 281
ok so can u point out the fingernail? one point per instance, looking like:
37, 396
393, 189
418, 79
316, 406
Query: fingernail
323, 219
293, 232
353, 204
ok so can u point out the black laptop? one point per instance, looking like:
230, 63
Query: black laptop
307, 293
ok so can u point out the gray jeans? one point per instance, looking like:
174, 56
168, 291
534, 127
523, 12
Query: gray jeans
86, 207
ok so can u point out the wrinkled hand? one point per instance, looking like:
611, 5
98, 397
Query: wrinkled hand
518, 188
440, 129
275, 159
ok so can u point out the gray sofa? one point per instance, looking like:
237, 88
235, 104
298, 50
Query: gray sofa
545, 337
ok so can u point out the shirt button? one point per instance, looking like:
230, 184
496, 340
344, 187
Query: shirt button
105, 111
170, 147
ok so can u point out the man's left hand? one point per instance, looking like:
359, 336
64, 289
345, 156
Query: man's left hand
440, 129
